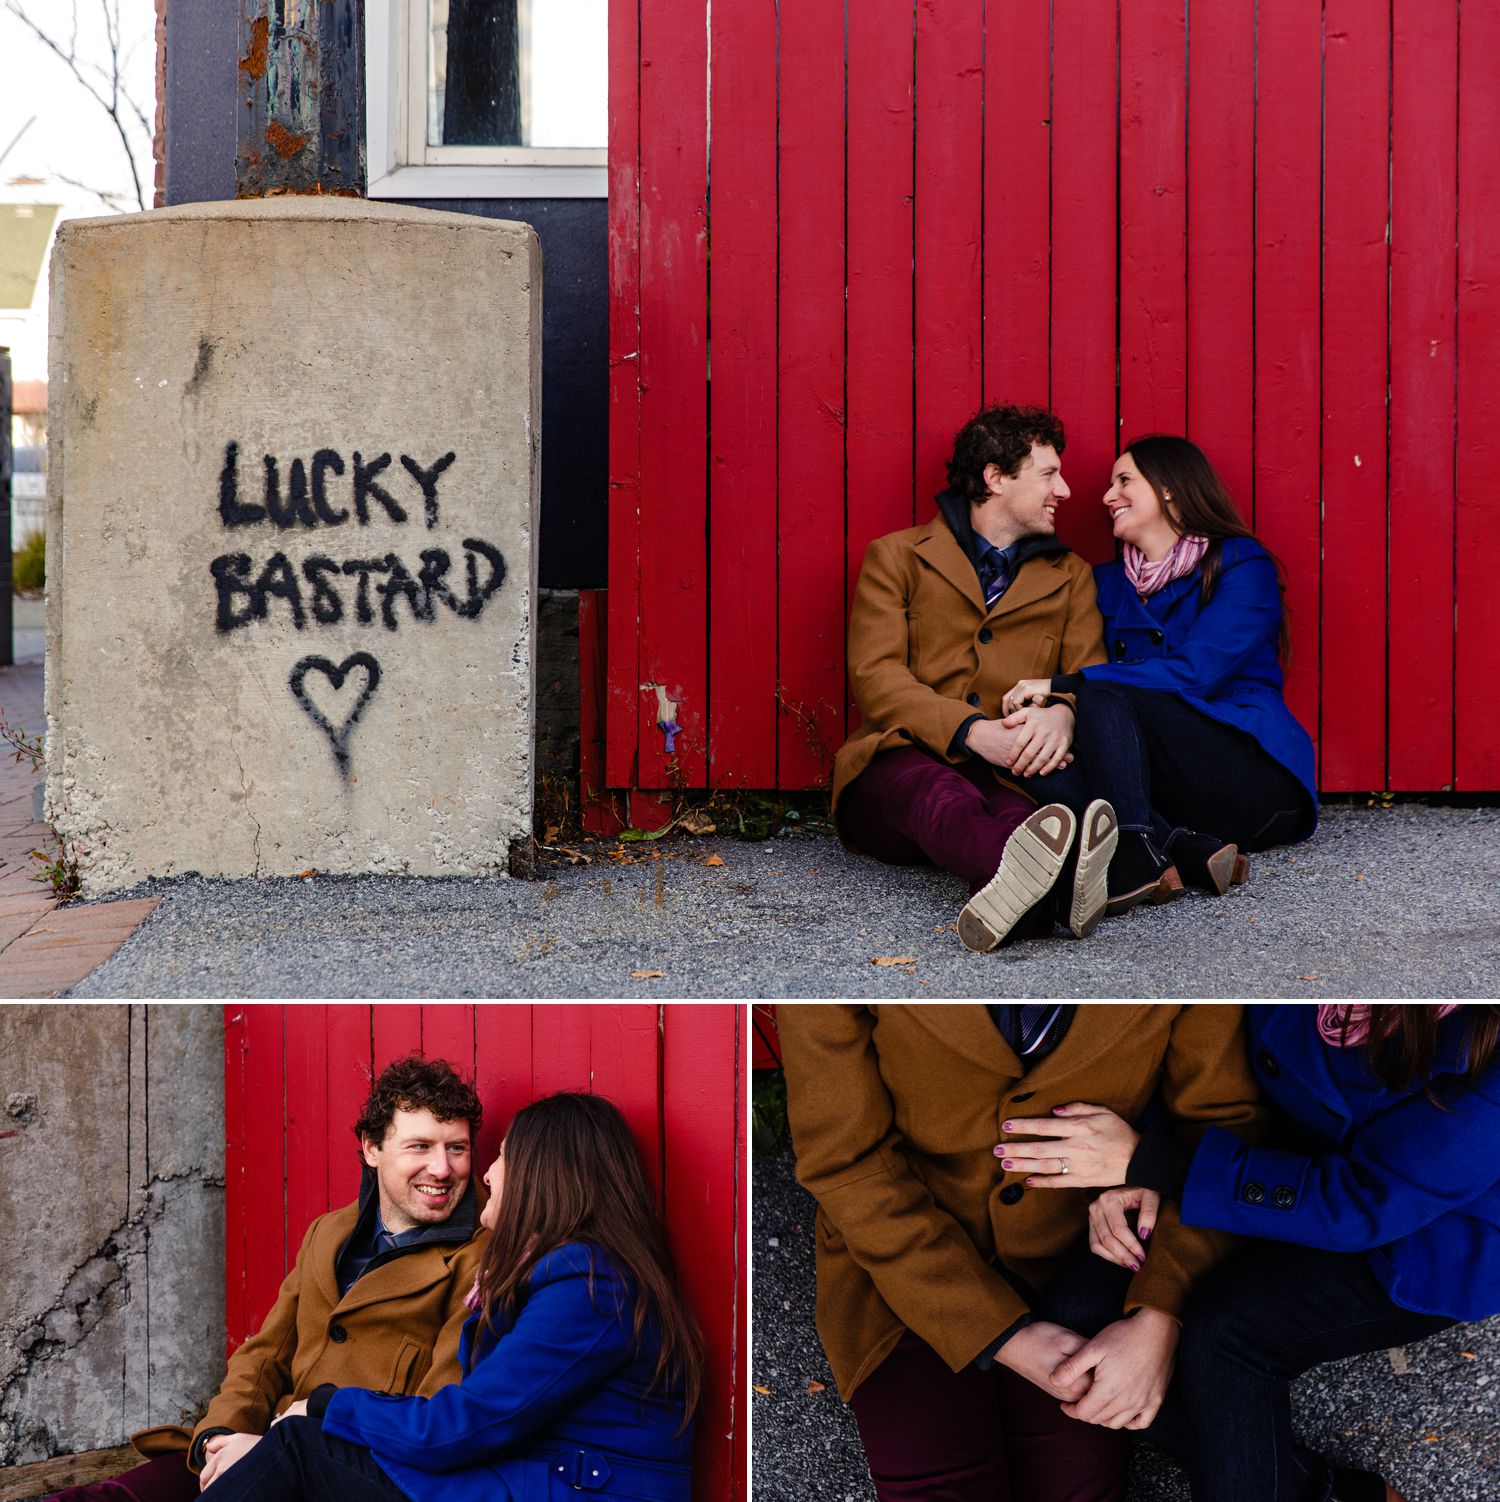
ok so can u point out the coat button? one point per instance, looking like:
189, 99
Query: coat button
337, 1334
1024, 1095
986, 635
1255, 1193
974, 700
1012, 1193
1283, 1197
1157, 638
1119, 649
1268, 1065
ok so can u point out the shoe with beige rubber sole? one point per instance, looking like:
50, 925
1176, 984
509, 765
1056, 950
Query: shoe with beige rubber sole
1033, 860
1098, 836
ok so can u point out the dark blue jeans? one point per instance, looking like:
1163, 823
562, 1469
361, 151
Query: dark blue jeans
1166, 766
297, 1462
1252, 1326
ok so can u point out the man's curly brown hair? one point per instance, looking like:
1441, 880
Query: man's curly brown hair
418, 1084
1002, 436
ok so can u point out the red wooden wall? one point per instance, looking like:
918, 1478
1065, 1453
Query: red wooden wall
1246, 223
296, 1076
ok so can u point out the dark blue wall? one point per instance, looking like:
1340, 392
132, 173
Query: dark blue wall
200, 137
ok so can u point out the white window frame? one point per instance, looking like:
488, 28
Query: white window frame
400, 163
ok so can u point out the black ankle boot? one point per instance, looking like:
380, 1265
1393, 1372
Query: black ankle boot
1140, 872
1362, 1486
1204, 860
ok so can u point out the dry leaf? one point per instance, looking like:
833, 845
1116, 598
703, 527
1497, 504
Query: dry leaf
759, 1388
550, 834
1431, 1439
697, 821
884, 960
645, 975
1467, 1355
1313, 976
310, 872
1359, 878
714, 860
813, 1386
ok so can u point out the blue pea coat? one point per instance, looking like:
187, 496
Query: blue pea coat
1412, 1185
556, 1407
1219, 657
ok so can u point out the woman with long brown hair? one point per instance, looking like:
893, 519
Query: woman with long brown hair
1376, 1204
582, 1366
1184, 729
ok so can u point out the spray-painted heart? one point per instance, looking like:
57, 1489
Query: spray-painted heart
339, 739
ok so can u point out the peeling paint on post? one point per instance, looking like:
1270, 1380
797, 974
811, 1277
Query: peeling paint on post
302, 96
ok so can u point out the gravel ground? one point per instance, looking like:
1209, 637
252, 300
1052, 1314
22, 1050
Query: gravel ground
1424, 1416
1402, 902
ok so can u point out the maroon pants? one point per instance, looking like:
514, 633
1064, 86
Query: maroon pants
164, 1479
908, 806
934, 1435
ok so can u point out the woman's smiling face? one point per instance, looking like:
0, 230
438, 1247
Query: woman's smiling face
1135, 510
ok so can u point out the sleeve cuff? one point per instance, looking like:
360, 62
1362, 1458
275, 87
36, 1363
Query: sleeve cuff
956, 746
986, 1358
318, 1400
197, 1459
1066, 683
1160, 1162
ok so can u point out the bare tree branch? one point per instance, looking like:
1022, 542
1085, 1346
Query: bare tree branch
112, 201
111, 96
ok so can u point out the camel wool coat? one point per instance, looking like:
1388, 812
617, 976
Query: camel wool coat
895, 1112
925, 653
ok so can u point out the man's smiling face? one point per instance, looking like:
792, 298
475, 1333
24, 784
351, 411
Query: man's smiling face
422, 1169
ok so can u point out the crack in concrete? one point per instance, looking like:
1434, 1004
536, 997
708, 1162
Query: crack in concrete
95, 1288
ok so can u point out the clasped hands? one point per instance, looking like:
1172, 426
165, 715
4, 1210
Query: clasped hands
1031, 742
225, 1450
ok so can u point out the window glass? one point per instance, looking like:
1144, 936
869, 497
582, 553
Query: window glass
517, 73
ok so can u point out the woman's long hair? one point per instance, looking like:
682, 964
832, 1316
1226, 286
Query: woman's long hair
572, 1173
1200, 505
1401, 1046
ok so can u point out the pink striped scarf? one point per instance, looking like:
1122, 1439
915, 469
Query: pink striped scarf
1331, 1023
1147, 577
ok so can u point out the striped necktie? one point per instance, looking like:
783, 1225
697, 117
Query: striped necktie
994, 574
1036, 1023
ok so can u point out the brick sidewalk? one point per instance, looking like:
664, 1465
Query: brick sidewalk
44, 947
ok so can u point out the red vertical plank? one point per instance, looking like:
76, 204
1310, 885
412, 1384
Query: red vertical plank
349, 1081
1424, 212
878, 317
1084, 93
397, 1028
448, 1033
949, 231
1017, 231
623, 667
700, 1100
1356, 179
502, 1070
559, 1047
599, 809
237, 1128
742, 415
1221, 242
307, 1157
740, 1351
1287, 232
1153, 218
810, 444
267, 1258
1476, 709
625, 1067
674, 398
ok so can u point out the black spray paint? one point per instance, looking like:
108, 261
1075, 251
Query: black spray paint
336, 674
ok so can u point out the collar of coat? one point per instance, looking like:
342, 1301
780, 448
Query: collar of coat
966, 1028
949, 545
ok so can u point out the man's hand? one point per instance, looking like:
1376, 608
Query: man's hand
223, 1450
1046, 734
1130, 1363
1038, 1351
994, 741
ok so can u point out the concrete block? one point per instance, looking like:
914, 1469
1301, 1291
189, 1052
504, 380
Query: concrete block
292, 514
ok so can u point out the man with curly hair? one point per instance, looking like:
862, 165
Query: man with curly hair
945, 618
375, 1299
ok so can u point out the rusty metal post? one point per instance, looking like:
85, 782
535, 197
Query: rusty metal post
7, 468
302, 98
